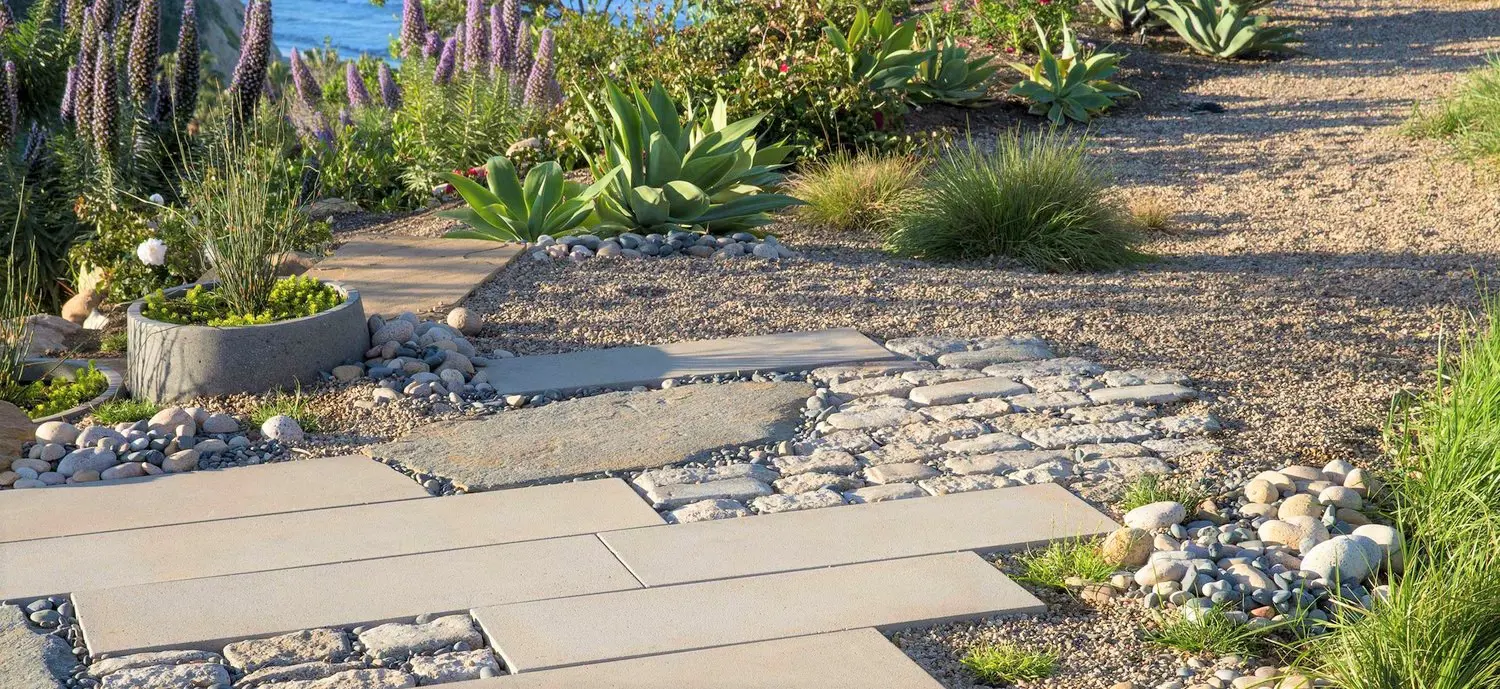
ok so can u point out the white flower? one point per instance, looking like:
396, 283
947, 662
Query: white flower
152, 252
158, 200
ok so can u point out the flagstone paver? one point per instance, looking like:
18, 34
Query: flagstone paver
199, 496
859, 659
611, 432
30, 569
626, 367
418, 274
888, 595
208, 613
981, 521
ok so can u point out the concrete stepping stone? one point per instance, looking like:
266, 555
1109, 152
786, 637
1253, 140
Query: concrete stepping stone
207, 613
966, 390
34, 569
887, 595
980, 521
613, 432
199, 496
395, 274
859, 659
1143, 394
626, 367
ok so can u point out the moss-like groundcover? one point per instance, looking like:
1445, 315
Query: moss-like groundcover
291, 298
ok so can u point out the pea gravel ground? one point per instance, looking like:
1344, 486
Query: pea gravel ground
1320, 253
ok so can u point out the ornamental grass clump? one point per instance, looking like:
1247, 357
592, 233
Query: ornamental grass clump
1036, 198
17, 301
848, 192
1053, 565
999, 665
1470, 118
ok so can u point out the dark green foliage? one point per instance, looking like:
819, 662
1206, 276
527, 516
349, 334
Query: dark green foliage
59, 393
41, 50
124, 411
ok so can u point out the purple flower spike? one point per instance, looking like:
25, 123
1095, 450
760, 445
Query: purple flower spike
520, 53
145, 51
10, 117
413, 27
354, 85
249, 80
433, 47
499, 46
70, 95
185, 81
105, 115
476, 37
539, 83
303, 81
390, 92
447, 62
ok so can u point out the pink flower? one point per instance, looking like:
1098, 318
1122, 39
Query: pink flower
784, 68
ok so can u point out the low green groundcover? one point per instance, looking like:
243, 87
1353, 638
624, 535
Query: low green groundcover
294, 297
50, 396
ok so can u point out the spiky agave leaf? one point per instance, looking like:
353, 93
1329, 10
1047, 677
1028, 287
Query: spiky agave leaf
145, 51
185, 78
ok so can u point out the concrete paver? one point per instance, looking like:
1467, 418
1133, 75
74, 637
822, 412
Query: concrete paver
395, 274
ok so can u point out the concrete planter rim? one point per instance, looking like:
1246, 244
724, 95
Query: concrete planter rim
137, 307
114, 384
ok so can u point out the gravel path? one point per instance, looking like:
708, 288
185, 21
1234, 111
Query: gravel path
1321, 253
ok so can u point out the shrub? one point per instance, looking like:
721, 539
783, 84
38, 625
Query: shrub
849, 192
1036, 198
1053, 565
507, 211
1152, 488
1224, 28
1007, 24
1071, 84
1470, 117
1003, 664
124, 411
293, 405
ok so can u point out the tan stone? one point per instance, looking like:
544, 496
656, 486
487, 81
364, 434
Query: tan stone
1128, 547
1261, 491
16, 429
1300, 505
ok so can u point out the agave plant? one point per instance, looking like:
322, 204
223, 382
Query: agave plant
948, 75
1224, 28
508, 211
664, 172
879, 50
1124, 15
1069, 84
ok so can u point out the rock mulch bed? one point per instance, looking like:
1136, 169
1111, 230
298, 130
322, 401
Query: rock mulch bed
432, 650
631, 245
956, 415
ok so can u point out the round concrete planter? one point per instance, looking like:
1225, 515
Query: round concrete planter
170, 362
36, 369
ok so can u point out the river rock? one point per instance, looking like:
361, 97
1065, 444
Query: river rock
16, 429
1293, 532
168, 419
283, 428
1340, 496
1299, 505
1388, 539
1262, 492
119, 471
1127, 547
465, 321
393, 331
220, 423
1343, 559
1157, 515
182, 460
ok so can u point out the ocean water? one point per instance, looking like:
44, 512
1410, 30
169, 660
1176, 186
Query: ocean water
351, 26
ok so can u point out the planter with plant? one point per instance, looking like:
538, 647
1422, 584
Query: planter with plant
249, 331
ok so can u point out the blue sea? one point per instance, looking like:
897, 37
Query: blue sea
351, 26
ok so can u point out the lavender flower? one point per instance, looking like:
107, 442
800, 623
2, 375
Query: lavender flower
446, 63
354, 85
249, 79
520, 53
70, 95
476, 35
499, 46
390, 92
413, 27
185, 86
539, 83
105, 115
10, 117
303, 81
145, 50
433, 46
72, 15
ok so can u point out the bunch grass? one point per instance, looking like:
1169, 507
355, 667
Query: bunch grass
1209, 632
293, 404
125, 411
1470, 117
1053, 565
1003, 664
1151, 488
851, 192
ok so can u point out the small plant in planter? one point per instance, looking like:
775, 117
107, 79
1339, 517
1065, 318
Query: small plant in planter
41, 388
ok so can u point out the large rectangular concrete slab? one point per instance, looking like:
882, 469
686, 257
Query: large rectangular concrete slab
980, 521
208, 613
630, 624
395, 274
34, 569
199, 496
859, 659
625, 367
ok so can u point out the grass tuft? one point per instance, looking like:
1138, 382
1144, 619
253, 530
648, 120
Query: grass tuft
124, 411
1153, 214
1470, 118
1054, 564
1149, 488
1038, 198
1000, 664
1210, 632
113, 343
294, 405
855, 192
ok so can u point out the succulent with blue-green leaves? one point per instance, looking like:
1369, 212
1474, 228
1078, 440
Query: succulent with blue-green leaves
1070, 84
669, 170
507, 210
949, 75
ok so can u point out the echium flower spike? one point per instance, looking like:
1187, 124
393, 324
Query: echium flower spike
539, 83
354, 85
433, 46
105, 115
512, 24
249, 80
36, 144
446, 62
106, 13
390, 92
10, 101
6, 17
83, 86
413, 27
162, 110
185, 84
303, 81
520, 54
499, 40
476, 37
73, 14
88, 39
145, 50
70, 95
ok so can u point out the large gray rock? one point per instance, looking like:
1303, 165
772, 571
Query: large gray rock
455, 667
396, 640
158, 676
618, 431
29, 660
307, 646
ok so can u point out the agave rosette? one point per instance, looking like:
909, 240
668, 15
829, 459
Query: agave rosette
1069, 84
507, 210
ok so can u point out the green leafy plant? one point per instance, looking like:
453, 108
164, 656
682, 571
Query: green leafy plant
1070, 84
1037, 198
1151, 488
1470, 117
1224, 28
56, 392
1003, 664
879, 51
1007, 24
850, 192
114, 343
508, 211
1124, 16
293, 404
293, 297
124, 411
949, 75
1053, 565
665, 171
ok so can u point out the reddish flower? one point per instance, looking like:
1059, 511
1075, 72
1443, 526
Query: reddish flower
1010, 49
784, 68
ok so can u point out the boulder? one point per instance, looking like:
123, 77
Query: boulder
16, 429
